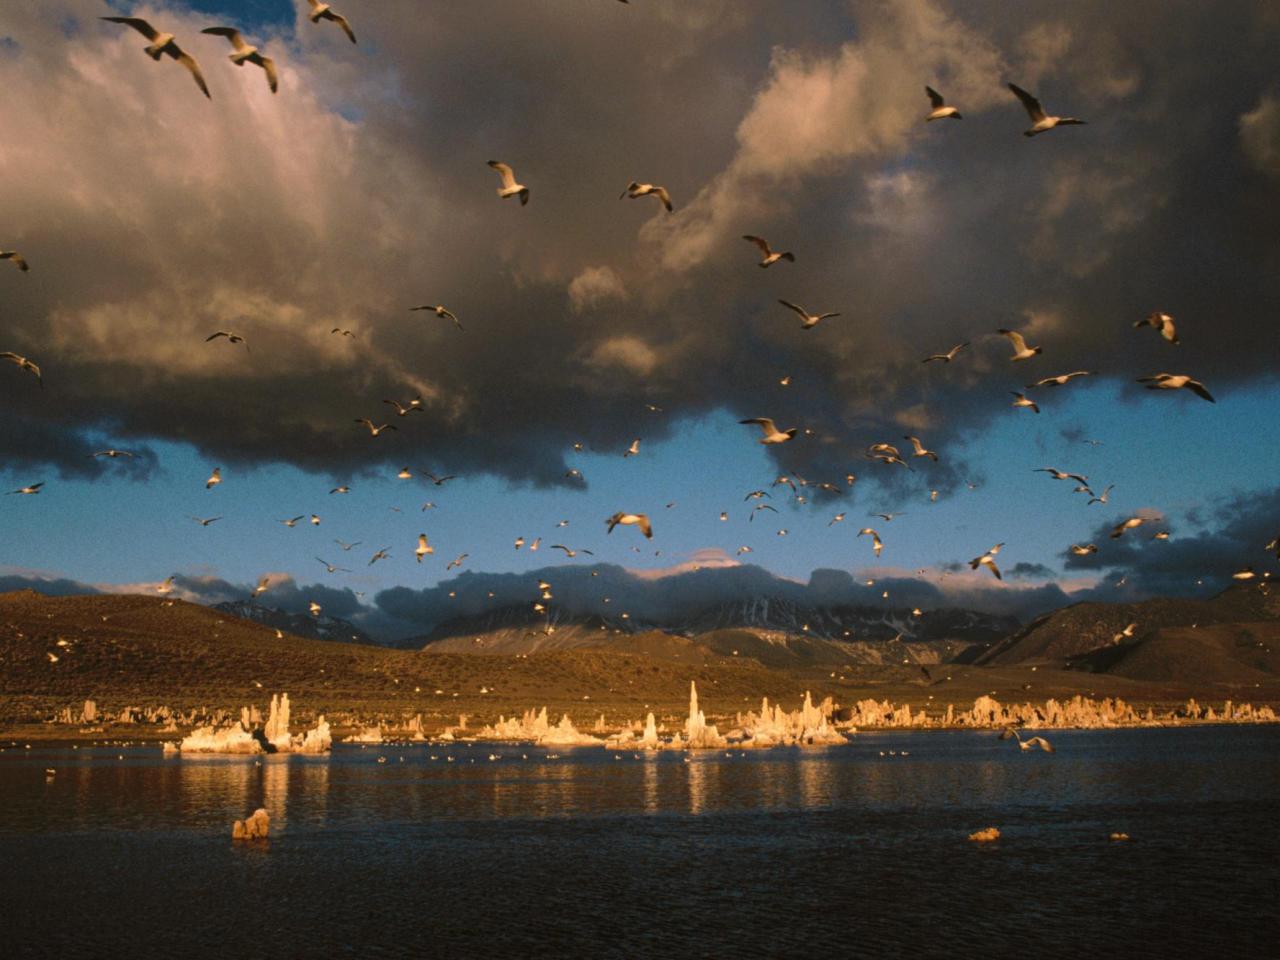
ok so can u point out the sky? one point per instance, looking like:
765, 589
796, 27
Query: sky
153, 217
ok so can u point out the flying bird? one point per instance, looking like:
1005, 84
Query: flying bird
380, 555
1058, 381
1020, 349
403, 410
113, 454
206, 521
1040, 121
456, 561
293, 521
246, 53
509, 186
161, 44
634, 449
1023, 401
439, 481
1033, 742
215, 478
876, 544
375, 429
27, 491
988, 560
340, 330
332, 567
18, 260
165, 586
640, 520
1124, 634
23, 364
231, 337
342, 489
323, 11
1162, 323
1103, 497
1170, 381
347, 546
636, 190
1083, 551
1129, 524
770, 256
940, 109
920, 451
424, 548
769, 430
1059, 475
807, 320
314, 608
261, 587
440, 310
948, 356
570, 553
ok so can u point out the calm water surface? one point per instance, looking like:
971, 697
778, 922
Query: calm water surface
838, 850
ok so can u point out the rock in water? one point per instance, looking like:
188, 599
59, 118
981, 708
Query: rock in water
254, 828
985, 836
1119, 837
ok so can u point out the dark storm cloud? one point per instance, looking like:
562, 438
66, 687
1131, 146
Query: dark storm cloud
282, 218
1234, 536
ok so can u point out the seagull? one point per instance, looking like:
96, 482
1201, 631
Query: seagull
438, 481
1040, 122
876, 544
342, 489
163, 43
1059, 380
1059, 475
323, 11
920, 451
757, 508
1023, 401
1160, 535
404, 411
519, 542
785, 381
573, 474
1273, 545
113, 453
838, 518
206, 521
1103, 498
1040, 742
634, 449
215, 478
940, 109
231, 337
1124, 634
440, 310
1020, 349
23, 364
1162, 323
1170, 381
1245, 574
570, 553
769, 430
456, 561
293, 522
18, 260
948, 356
988, 560
375, 429
509, 186
1129, 524
1083, 551
380, 555
314, 608
340, 330
770, 257
627, 519
331, 567
636, 190
887, 517
404, 474
807, 320
744, 549
246, 52
347, 546
165, 586
261, 587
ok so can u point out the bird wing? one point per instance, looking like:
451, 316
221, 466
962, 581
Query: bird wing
1034, 110
991, 565
341, 21
273, 78
664, 197
643, 521
792, 306
760, 242
215, 336
1015, 338
766, 425
935, 97
189, 62
231, 33
144, 28
508, 175
1042, 743
824, 316
1198, 388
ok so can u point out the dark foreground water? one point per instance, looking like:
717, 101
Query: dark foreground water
803, 853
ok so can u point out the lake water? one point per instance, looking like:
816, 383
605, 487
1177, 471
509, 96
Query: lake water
817, 852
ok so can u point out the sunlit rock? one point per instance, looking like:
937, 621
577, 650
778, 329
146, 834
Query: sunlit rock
255, 827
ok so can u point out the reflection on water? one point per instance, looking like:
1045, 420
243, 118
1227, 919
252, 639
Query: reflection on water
819, 848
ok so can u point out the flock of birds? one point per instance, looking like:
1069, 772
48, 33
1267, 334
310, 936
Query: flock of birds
162, 44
